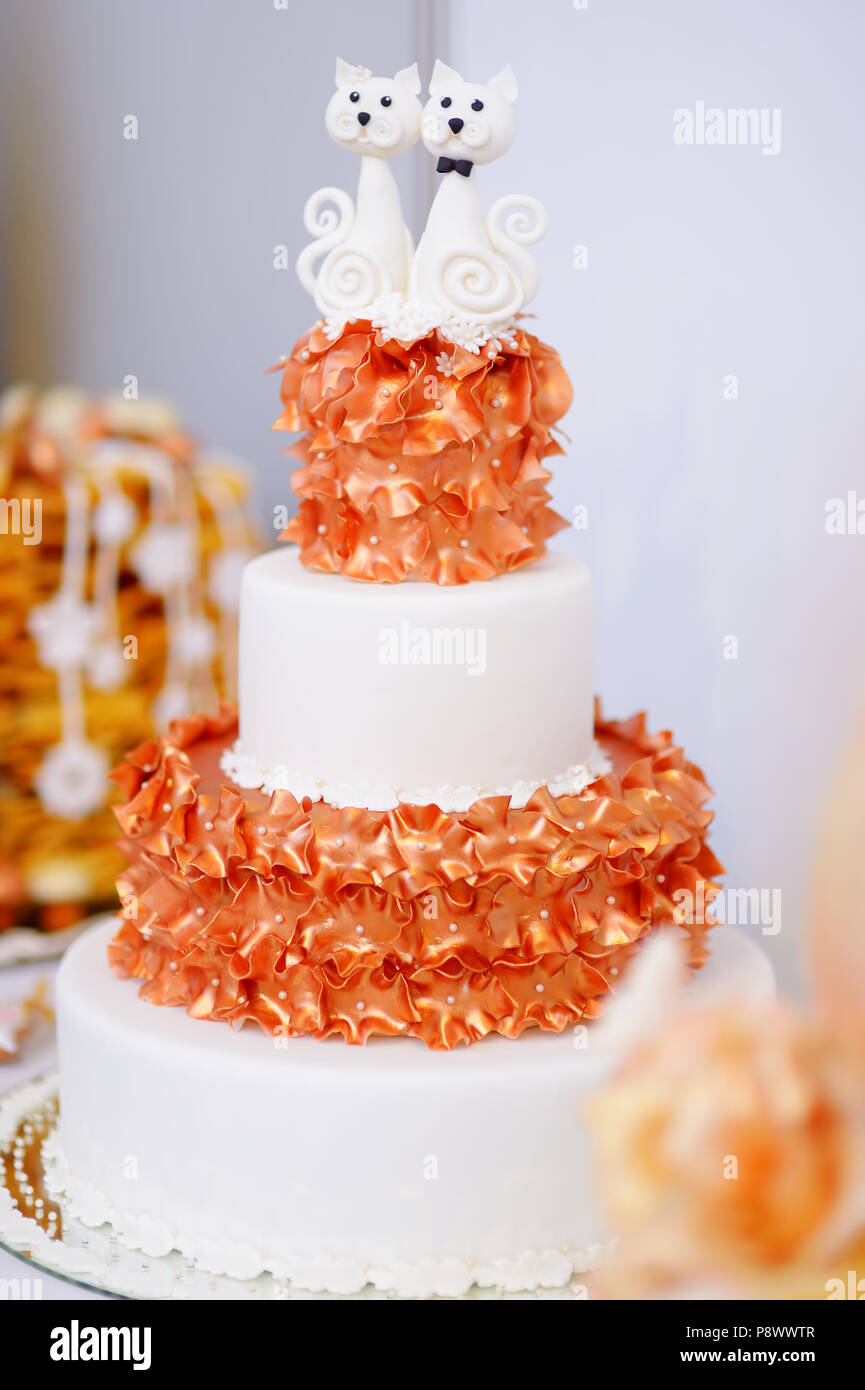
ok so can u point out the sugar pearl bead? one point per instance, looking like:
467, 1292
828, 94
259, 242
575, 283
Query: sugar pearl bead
282, 994
321, 529
373, 540
544, 914
439, 405
166, 806
279, 917
495, 402
361, 1005
539, 989
199, 912
614, 970
452, 927
215, 982
359, 929
451, 999
497, 463
305, 355
172, 965
261, 830
340, 842
581, 825
512, 839
421, 844
610, 899
385, 391
392, 467
320, 454
464, 544
662, 878
208, 825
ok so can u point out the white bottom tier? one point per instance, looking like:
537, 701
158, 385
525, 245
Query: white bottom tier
335, 1166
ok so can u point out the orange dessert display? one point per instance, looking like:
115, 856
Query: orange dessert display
120, 568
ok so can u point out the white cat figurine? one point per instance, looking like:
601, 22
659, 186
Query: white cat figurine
367, 248
469, 265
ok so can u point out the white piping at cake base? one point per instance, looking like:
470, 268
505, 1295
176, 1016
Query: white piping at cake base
427, 1278
249, 772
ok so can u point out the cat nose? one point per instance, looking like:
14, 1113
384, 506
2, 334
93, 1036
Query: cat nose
456, 124
363, 117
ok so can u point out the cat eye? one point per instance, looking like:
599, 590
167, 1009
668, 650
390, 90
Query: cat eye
447, 101
386, 101
477, 105
354, 96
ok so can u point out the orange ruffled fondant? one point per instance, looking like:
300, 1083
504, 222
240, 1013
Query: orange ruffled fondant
410, 471
313, 919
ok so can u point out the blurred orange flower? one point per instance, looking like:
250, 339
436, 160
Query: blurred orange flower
731, 1144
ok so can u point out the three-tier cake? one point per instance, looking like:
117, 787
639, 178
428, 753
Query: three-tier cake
423, 833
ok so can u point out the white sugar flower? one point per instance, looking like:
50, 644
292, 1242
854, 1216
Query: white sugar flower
445, 363
63, 628
164, 557
71, 782
195, 640
114, 519
106, 667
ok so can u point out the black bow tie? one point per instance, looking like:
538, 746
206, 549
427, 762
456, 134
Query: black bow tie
462, 166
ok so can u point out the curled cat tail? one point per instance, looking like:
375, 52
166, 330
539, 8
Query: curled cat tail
329, 225
478, 284
513, 223
350, 280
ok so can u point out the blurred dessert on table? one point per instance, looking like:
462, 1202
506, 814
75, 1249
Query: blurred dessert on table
121, 547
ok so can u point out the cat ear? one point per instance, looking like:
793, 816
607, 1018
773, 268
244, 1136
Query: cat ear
505, 84
347, 74
409, 78
442, 77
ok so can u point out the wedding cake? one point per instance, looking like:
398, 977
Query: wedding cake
421, 834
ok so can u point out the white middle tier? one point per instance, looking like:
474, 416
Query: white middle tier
372, 694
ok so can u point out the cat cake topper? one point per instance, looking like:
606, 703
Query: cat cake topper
471, 272
364, 248
469, 265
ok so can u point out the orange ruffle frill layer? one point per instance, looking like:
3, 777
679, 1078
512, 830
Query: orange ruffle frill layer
421, 460
311, 919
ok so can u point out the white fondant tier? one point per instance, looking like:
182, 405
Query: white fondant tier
335, 1166
372, 694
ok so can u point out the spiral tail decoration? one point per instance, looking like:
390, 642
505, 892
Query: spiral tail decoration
478, 284
513, 223
330, 225
350, 279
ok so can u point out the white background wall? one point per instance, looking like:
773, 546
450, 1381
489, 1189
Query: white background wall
706, 514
